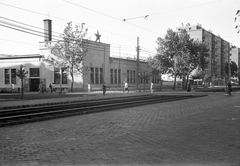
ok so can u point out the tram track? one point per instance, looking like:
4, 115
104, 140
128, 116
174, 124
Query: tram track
40, 113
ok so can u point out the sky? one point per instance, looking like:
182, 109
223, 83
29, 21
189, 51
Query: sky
146, 19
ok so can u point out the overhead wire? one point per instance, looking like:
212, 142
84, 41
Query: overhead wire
41, 34
63, 19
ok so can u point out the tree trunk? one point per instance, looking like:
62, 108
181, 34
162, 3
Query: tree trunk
22, 87
187, 81
60, 71
175, 78
72, 82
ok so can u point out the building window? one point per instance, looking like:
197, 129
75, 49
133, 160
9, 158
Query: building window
7, 76
134, 76
13, 76
119, 76
34, 72
64, 77
57, 76
131, 79
92, 75
115, 76
111, 76
101, 75
96, 76
127, 76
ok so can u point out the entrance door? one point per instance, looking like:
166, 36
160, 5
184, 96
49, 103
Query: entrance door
33, 84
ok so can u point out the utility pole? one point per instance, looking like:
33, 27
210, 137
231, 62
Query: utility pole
119, 73
138, 49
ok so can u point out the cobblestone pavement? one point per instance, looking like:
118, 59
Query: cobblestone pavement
198, 131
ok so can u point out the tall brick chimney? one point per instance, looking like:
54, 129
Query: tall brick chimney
47, 30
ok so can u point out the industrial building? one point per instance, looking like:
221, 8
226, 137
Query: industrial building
114, 71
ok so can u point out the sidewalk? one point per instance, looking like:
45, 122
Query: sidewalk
74, 96
198, 131
11, 103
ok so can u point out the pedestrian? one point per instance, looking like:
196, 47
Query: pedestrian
51, 88
89, 87
104, 88
40, 87
151, 87
229, 88
125, 87
188, 87
12, 87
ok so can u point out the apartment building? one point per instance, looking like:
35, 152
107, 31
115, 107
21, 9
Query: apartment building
218, 49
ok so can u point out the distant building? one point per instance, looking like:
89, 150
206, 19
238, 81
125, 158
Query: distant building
235, 55
103, 67
219, 52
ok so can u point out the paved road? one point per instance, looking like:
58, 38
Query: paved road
199, 131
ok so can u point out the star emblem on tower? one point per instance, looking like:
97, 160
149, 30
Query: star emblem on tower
97, 36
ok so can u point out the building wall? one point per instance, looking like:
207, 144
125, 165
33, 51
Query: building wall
218, 50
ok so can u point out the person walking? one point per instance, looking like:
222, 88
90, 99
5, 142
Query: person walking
12, 87
51, 88
151, 87
89, 87
40, 87
229, 88
125, 87
188, 87
104, 88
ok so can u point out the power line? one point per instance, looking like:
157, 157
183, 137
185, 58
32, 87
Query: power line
169, 11
110, 16
19, 42
41, 34
21, 27
25, 24
26, 30
62, 19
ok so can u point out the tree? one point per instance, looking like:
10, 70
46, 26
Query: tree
235, 19
203, 56
176, 53
21, 73
233, 69
68, 53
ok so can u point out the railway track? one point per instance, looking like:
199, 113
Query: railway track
40, 113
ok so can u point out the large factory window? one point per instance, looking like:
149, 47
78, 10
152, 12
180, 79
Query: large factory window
57, 76
115, 76
96, 76
92, 75
34, 72
131, 79
134, 76
119, 76
13, 76
7, 76
127, 76
111, 76
101, 75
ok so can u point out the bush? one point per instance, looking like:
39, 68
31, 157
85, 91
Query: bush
5, 91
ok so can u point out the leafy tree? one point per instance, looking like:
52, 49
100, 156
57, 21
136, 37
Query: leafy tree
176, 53
167, 53
68, 53
203, 56
233, 68
21, 73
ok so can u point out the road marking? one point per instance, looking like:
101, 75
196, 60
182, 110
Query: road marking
236, 106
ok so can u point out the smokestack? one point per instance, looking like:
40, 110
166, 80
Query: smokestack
47, 30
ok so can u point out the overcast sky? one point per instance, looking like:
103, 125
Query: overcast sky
107, 17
